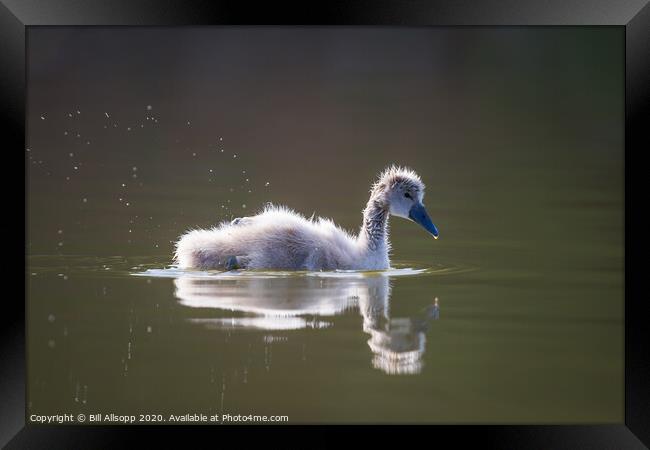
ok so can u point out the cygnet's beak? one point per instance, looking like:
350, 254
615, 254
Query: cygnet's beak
419, 215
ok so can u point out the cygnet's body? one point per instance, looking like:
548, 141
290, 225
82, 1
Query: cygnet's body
279, 238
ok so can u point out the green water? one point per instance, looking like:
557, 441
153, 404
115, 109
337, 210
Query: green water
515, 315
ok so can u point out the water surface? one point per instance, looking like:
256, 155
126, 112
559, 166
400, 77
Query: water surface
514, 315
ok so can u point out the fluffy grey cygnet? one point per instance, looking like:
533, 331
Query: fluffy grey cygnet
279, 238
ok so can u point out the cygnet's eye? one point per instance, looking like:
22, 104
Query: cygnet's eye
407, 195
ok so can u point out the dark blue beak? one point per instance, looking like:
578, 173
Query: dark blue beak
418, 214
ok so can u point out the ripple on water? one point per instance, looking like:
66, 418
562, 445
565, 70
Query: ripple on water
398, 270
119, 266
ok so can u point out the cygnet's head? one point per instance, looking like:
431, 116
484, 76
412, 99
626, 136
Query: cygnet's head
400, 191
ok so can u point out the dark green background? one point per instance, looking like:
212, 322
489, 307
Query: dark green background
517, 132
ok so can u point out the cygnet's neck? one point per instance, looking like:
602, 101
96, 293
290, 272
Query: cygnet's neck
374, 230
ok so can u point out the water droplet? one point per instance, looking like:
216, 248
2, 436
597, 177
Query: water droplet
51, 318
134, 169
71, 154
149, 329
65, 133
51, 343
235, 155
42, 117
267, 184
148, 107
85, 200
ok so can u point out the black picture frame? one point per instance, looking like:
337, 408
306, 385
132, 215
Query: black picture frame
634, 16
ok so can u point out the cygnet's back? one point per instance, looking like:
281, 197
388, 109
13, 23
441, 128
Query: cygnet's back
278, 238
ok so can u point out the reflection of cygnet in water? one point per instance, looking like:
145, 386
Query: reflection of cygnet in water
278, 303
398, 344
286, 303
